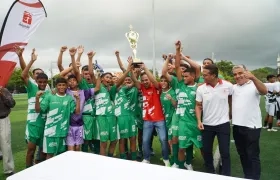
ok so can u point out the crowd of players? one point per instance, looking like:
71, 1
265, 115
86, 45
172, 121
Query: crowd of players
87, 109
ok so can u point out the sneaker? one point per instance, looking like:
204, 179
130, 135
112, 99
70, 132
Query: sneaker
166, 162
188, 166
272, 130
146, 161
9, 174
265, 127
175, 166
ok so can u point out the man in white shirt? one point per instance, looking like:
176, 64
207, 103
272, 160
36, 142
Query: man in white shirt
270, 102
247, 119
214, 97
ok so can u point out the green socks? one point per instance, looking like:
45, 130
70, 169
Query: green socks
85, 147
175, 151
96, 144
181, 164
189, 152
123, 156
110, 155
133, 156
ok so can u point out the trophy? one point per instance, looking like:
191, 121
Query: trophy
132, 38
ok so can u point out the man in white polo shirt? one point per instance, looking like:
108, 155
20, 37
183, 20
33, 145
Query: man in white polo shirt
214, 98
247, 119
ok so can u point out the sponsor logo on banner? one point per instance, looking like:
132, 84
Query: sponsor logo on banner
26, 20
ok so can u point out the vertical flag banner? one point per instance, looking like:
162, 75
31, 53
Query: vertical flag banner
21, 21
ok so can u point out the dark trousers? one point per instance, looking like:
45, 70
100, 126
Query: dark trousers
247, 145
222, 132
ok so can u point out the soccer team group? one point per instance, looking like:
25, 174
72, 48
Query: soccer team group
90, 110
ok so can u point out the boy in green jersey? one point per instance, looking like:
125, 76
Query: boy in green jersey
59, 108
35, 121
169, 103
174, 84
125, 107
189, 134
105, 109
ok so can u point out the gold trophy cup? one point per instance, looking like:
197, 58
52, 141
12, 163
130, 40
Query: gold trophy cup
132, 38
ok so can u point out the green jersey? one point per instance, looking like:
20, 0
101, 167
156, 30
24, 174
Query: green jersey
89, 107
167, 107
132, 95
59, 109
104, 101
186, 102
36, 119
122, 107
174, 82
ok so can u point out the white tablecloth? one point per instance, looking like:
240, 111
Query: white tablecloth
83, 166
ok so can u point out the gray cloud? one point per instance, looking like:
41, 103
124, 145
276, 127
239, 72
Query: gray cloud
241, 31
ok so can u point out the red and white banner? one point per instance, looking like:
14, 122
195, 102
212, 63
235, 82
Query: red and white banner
21, 21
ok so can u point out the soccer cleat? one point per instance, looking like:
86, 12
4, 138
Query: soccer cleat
166, 162
272, 130
188, 166
146, 161
175, 166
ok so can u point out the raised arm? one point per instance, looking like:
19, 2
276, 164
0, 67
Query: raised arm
193, 64
178, 60
91, 54
122, 78
150, 76
80, 51
65, 72
117, 53
25, 72
135, 81
19, 52
72, 52
59, 59
165, 68
262, 89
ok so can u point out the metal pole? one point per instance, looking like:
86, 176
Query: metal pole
51, 75
154, 37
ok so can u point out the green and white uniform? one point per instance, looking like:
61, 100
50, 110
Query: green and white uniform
59, 109
105, 113
34, 132
175, 122
123, 112
188, 132
168, 110
89, 119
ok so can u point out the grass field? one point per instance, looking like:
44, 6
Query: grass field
269, 147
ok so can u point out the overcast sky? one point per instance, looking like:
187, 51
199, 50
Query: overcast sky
243, 31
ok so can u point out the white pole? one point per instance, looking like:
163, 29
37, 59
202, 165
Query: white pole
154, 41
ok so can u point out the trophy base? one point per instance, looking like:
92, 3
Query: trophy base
137, 62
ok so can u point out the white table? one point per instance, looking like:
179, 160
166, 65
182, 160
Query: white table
83, 166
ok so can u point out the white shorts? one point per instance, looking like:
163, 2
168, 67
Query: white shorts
271, 109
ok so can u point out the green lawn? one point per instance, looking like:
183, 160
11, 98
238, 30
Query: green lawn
269, 147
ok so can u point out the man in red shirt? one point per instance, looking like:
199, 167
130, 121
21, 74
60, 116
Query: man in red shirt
152, 114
